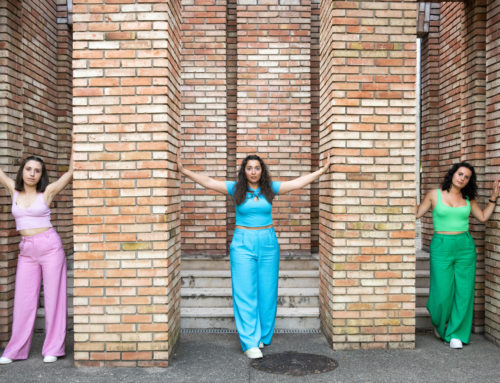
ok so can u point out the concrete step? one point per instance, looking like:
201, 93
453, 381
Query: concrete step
223, 318
222, 297
422, 260
422, 279
202, 263
40, 319
423, 319
422, 294
222, 278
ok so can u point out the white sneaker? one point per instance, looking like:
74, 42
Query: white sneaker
4, 360
49, 359
455, 343
261, 345
254, 353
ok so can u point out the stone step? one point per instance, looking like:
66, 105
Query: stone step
422, 279
422, 264
223, 264
222, 278
222, 297
423, 319
40, 319
223, 318
422, 294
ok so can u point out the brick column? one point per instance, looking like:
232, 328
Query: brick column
274, 104
11, 144
126, 101
473, 136
431, 176
492, 256
367, 221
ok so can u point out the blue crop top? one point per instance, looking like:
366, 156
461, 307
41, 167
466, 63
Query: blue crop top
252, 213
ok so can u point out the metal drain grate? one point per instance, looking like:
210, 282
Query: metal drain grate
229, 331
295, 363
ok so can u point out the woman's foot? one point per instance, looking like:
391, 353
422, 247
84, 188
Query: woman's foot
436, 333
4, 360
455, 343
261, 345
49, 359
254, 353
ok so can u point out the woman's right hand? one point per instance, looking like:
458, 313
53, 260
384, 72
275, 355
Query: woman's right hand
7, 182
180, 168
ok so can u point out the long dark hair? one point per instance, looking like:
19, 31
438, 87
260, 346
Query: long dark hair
44, 179
241, 189
470, 190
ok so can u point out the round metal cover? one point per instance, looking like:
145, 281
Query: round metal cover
294, 363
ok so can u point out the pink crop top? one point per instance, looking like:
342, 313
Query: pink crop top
34, 217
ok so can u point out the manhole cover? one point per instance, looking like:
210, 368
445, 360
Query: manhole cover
295, 363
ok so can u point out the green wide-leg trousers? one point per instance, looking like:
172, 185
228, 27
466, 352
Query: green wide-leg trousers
451, 295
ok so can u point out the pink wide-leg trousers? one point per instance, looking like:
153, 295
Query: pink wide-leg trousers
41, 256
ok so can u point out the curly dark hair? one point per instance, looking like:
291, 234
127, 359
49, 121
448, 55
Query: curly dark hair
242, 183
470, 190
44, 179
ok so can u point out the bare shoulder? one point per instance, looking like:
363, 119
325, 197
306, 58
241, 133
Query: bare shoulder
431, 196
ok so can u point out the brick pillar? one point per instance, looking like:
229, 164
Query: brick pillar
473, 136
367, 221
315, 91
126, 101
431, 176
11, 144
204, 123
274, 104
492, 256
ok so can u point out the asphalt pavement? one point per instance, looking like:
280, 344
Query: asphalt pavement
216, 357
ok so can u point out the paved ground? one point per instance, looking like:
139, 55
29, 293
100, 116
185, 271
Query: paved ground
204, 357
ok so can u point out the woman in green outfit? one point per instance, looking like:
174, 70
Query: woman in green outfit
453, 253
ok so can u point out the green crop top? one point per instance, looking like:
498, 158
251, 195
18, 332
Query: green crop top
447, 218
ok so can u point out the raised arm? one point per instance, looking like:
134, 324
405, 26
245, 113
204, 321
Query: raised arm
203, 180
300, 182
484, 215
55, 187
426, 204
7, 182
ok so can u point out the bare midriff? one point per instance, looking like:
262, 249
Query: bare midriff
30, 232
253, 228
450, 232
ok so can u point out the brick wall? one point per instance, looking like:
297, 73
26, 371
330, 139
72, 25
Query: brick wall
35, 118
453, 111
247, 71
204, 120
492, 240
367, 222
274, 105
126, 100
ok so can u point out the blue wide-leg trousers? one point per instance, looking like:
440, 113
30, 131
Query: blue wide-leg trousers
254, 273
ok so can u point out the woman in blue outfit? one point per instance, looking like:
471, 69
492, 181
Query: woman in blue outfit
254, 251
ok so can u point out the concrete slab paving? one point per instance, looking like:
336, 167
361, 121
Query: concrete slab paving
215, 357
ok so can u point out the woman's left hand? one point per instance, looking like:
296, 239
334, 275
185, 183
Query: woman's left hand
496, 190
329, 161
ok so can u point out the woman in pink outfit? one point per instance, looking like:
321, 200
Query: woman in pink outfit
41, 256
